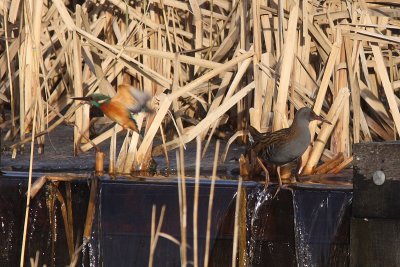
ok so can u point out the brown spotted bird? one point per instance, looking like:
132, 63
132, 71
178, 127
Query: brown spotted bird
285, 145
120, 108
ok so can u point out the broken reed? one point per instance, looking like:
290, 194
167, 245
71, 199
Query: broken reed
302, 53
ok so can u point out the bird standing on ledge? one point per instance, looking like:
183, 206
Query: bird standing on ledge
285, 145
127, 101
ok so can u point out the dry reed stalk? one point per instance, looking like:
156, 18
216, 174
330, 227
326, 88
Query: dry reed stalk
325, 82
28, 72
102, 137
164, 106
243, 255
326, 130
37, 29
164, 147
182, 204
196, 203
123, 153
37, 185
155, 233
322, 93
132, 64
52, 127
287, 63
244, 168
210, 204
21, 60
132, 150
113, 152
355, 91
78, 89
28, 197
242, 15
220, 94
236, 224
204, 63
35, 262
90, 211
110, 50
13, 7
386, 84
65, 177
198, 24
206, 122
236, 80
35, 87
340, 132
211, 134
230, 141
232, 88
258, 92
70, 218
342, 165
12, 52
67, 224
329, 165
152, 233
184, 209
175, 87
377, 129
99, 168
13, 127
75, 257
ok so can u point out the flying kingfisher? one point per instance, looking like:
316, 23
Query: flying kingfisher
120, 108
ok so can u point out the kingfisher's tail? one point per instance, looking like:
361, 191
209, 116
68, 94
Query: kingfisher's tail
133, 125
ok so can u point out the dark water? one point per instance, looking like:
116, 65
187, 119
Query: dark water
270, 228
300, 227
322, 227
126, 215
46, 232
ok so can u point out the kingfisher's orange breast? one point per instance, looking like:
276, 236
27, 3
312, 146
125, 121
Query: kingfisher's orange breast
116, 111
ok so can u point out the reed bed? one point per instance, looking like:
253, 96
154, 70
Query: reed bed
208, 64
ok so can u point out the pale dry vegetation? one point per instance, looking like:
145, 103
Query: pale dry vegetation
207, 64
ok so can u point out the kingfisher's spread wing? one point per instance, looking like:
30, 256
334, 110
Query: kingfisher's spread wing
133, 99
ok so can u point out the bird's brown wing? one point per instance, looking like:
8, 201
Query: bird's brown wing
133, 99
266, 141
256, 134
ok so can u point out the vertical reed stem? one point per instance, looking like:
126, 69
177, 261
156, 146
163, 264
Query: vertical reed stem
28, 195
210, 204
196, 203
9, 71
236, 229
184, 210
155, 233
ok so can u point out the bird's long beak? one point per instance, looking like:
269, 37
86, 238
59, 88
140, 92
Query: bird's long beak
83, 98
319, 118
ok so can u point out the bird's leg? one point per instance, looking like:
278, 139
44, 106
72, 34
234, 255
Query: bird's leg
278, 170
295, 173
265, 171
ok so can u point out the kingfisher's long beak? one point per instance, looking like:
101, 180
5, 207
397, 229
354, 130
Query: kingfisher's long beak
83, 98
319, 118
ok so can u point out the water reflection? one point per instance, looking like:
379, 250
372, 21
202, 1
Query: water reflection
299, 227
